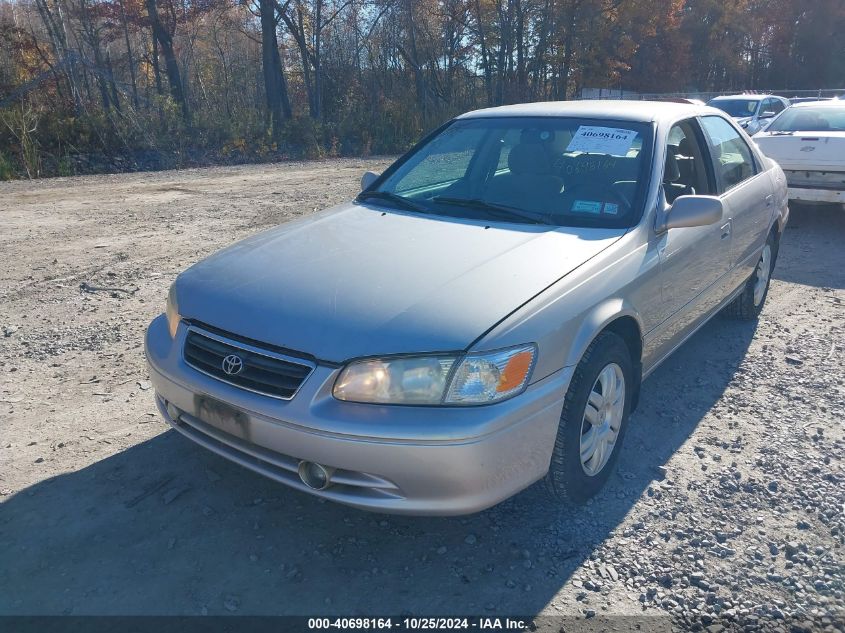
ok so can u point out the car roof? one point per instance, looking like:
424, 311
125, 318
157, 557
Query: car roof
619, 110
743, 97
818, 104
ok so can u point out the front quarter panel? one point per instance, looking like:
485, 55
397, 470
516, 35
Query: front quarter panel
623, 281
781, 193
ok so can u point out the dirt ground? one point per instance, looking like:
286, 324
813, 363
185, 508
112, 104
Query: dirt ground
726, 510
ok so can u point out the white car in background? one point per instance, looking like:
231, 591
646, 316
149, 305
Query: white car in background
752, 112
808, 141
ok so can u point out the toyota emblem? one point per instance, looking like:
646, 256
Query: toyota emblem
232, 365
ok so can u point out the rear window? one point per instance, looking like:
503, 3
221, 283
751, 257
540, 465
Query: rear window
810, 119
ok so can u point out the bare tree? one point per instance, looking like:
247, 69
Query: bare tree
164, 40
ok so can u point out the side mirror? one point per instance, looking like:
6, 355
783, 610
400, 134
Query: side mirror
367, 179
689, 211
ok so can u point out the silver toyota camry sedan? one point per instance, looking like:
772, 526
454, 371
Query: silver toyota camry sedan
482, 315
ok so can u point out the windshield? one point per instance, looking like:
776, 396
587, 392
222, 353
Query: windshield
560, 171
736, 107
810, 119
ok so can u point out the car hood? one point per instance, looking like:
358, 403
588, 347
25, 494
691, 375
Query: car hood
359, 281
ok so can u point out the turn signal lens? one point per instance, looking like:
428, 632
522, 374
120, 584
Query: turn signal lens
516, 371
491, 377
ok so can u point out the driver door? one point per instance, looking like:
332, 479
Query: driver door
694, 261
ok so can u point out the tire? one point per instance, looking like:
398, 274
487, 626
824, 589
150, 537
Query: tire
749, 304
568, 478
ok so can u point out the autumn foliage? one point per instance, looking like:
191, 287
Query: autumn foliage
93, 85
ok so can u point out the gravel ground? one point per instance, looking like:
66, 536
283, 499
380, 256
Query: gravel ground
726, 510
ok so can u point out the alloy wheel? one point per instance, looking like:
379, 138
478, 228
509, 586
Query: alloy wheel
761, 275
602, 419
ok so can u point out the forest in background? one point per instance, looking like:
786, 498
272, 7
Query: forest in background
116, 85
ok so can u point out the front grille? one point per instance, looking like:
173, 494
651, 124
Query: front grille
262, 371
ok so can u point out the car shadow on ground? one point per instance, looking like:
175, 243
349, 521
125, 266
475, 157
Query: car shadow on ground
167, 527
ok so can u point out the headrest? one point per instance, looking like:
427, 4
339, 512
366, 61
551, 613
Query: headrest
528, 158
535, 135
685, 147
673, 170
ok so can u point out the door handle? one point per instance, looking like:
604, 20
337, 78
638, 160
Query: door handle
769, 199
726, 230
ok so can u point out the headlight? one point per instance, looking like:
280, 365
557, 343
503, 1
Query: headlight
419, 380
171, 309
432, 380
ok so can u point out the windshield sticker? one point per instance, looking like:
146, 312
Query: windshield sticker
602, 140
586, 206
610, 208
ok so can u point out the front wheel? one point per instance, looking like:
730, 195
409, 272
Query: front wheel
749, 304
593, 421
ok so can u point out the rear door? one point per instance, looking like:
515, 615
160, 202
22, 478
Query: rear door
746, 191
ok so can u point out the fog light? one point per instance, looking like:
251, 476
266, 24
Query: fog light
315, 476
173, 412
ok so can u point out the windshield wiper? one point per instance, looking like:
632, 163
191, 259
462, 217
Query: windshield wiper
780, 132
498, 210
390, 197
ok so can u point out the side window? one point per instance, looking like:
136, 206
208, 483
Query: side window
777, 106
732, 158
686, 171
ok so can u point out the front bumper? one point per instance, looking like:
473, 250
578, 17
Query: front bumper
395, 459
